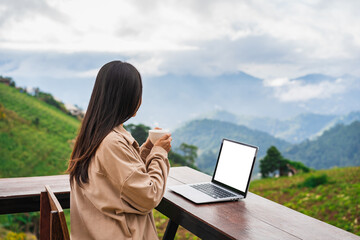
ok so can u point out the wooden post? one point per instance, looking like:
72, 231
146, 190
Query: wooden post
45, 216
170, 231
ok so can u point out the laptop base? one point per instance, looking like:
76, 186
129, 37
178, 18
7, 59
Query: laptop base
198, 197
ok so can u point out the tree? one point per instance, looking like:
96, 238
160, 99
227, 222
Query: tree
139, 132
189, 152
8, 81
272, 162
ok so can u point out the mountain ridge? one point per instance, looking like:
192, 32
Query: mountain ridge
295, 130
338, 146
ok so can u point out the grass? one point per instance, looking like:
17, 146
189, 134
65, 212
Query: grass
161, 222
335, 200
29, 147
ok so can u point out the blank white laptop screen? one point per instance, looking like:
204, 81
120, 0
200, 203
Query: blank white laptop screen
234, 165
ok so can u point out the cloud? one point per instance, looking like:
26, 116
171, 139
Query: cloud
15, 11
265, 38
290, 90
222, 56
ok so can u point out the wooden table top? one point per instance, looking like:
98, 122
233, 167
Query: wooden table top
252, 218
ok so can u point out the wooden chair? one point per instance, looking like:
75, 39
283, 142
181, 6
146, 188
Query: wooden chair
52, 219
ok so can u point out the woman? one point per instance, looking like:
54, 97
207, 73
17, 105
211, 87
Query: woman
115, 184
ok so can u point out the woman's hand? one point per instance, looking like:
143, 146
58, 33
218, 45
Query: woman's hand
164, 142
148, 143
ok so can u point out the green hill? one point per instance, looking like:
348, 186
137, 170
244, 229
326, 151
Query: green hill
338, 146
207, 135
35, 137
336, 201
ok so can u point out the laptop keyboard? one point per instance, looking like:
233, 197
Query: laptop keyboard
212, 190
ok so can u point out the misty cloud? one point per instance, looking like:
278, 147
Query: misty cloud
295, 90
228, 56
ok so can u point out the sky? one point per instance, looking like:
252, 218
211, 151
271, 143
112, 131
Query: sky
59, 45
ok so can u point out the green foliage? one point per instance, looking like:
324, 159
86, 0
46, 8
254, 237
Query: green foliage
272, 162
21, 222
299, 166
187, 158
335, 201
189, 152
18, 236
7, 80
139, 132
314, 181
49, 99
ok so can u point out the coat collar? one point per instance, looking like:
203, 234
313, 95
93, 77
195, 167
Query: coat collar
130, 139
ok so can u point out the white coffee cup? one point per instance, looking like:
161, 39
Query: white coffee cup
156, 134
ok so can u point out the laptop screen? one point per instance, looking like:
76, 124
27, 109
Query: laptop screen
235, 165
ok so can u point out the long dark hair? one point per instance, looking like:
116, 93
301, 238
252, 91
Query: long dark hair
115, 98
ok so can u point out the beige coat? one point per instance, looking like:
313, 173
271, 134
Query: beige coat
125, 184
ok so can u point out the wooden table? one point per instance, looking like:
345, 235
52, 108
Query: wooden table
252, 218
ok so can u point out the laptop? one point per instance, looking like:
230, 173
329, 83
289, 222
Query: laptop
231, 178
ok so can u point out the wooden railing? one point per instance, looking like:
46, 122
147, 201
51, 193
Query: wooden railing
252, 218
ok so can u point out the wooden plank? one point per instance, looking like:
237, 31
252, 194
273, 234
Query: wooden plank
301, 225
27, 186
23, 194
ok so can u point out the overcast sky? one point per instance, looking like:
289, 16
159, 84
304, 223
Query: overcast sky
273, 40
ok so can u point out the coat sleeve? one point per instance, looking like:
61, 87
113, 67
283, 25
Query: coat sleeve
144, 152
145, 187
141, 182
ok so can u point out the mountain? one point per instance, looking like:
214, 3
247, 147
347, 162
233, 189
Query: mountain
207, 135
35, 137
316, 78
338, 146
295, 130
